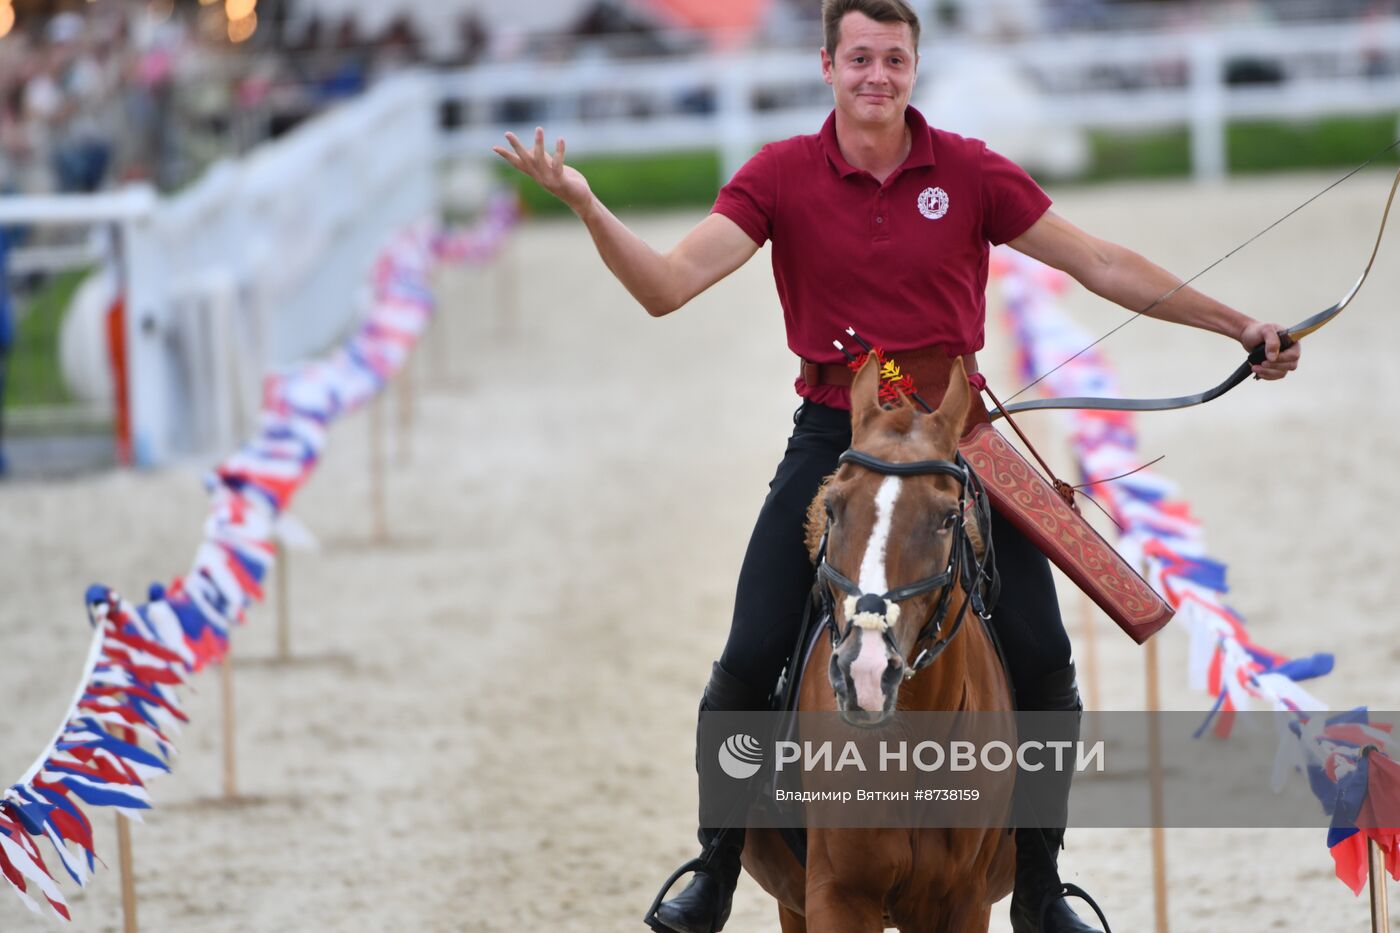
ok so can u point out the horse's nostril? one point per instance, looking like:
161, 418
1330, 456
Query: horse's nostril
871, 603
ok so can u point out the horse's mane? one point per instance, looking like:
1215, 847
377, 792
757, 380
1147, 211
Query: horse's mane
816, 519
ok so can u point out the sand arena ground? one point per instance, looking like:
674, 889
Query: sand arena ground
490, 722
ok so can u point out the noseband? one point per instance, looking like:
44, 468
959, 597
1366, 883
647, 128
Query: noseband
977, 577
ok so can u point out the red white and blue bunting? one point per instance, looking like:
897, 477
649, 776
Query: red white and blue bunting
1347, 760
119, 730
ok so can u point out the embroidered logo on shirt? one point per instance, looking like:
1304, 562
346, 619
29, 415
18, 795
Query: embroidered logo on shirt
933, 203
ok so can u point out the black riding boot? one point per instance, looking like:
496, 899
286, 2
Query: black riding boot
1038, 904
703, 907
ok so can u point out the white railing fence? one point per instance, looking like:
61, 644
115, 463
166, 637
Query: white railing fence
258, 264
1199, 79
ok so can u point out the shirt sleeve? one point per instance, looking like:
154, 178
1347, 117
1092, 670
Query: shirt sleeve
1011, 200
751, 197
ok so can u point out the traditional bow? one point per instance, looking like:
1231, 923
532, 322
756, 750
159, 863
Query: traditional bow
1287, 338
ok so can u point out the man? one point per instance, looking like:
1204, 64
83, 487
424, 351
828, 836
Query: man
882, 222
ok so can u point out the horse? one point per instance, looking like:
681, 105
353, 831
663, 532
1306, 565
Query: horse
896, 508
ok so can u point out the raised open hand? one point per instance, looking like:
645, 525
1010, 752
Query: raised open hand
548, 171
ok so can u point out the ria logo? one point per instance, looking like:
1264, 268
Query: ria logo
740, 756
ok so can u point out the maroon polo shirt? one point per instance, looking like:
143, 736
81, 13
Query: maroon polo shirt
904, 262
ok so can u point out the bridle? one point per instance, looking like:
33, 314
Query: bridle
978, 577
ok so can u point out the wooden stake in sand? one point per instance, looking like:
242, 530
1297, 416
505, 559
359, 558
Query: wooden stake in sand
1380, 909
230, 743
284, 622
1087, 641
1154, 766
436, 340
128, 874
405, 410
126, 866
380, 530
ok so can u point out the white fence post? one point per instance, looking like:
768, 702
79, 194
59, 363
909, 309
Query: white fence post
144, 275
734, 98
1209, 158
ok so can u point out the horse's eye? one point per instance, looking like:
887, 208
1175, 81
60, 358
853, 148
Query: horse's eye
950, 521
830, 514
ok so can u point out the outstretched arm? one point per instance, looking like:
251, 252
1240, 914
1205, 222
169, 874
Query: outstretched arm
1127, 278
661, 282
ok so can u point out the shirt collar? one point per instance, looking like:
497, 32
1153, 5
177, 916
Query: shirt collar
920, 151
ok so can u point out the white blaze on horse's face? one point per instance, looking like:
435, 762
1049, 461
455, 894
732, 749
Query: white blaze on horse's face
872, 662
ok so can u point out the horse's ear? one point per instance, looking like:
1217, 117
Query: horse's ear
865, 392
947, 421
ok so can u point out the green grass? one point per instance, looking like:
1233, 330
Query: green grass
1158, 154
631, 183
1252, 147
1336, 142
33, 376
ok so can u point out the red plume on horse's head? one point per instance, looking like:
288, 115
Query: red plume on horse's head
881, 385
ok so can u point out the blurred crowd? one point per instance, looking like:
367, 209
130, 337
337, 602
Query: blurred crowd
109, 92
57, 128
140, 91
157, 90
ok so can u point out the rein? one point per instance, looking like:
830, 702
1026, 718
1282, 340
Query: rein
977, 577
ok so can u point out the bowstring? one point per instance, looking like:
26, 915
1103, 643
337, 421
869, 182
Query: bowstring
1168, 295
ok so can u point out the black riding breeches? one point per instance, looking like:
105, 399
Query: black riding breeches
777, 574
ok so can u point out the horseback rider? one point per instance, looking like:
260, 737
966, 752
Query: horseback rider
882, 221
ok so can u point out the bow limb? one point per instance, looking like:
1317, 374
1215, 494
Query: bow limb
1287, 338
1316, 322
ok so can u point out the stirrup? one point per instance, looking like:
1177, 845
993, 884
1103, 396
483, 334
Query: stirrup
1071, 890
700, 861
650, 919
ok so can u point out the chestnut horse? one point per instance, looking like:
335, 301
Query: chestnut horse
897, 544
